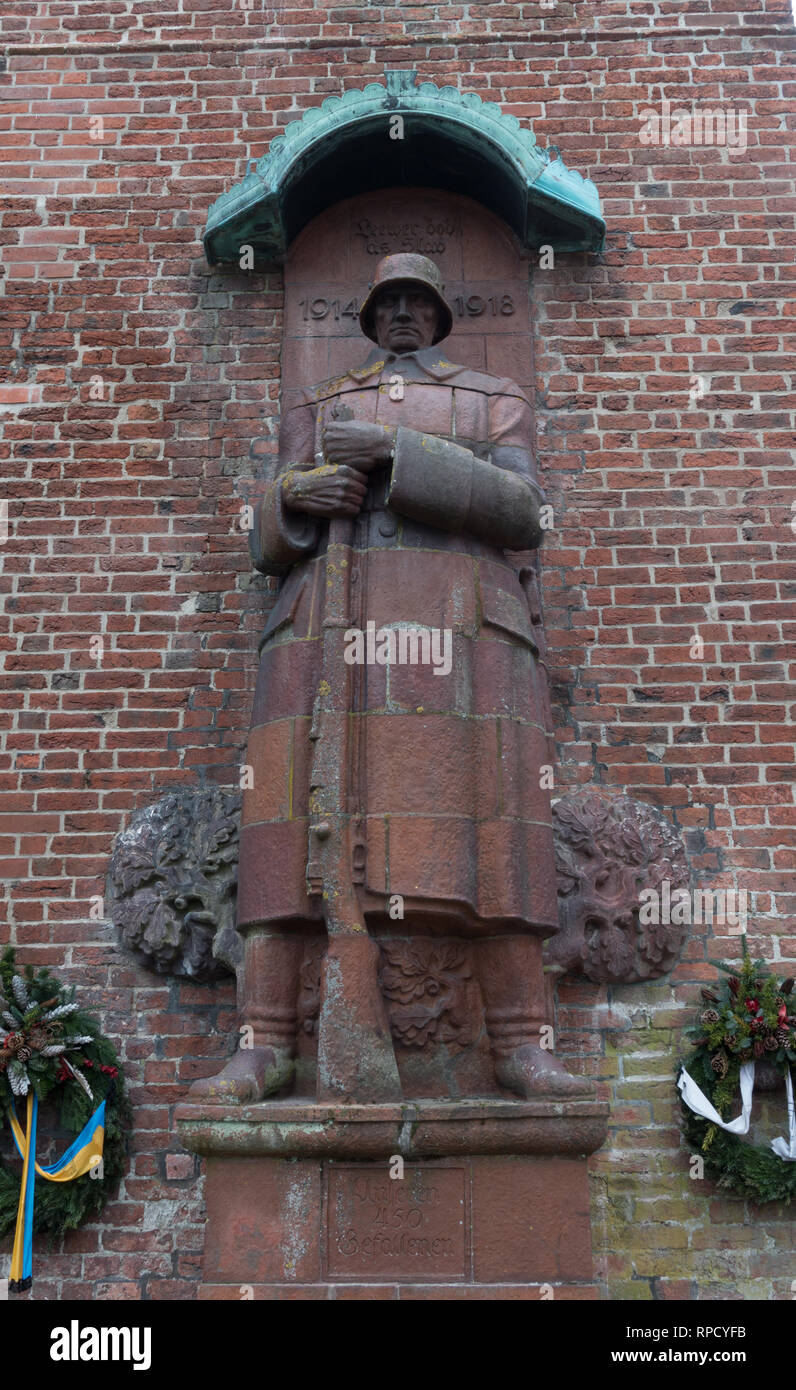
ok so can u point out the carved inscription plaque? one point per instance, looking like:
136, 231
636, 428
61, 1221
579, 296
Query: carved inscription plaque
390, 1229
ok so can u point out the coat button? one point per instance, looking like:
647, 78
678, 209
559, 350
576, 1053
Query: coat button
388, 524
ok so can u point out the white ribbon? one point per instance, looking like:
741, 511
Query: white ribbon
697, 1101
786, 1148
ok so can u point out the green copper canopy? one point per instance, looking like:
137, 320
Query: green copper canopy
451, 140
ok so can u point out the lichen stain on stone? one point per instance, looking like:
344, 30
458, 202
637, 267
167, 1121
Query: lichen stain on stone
163, 1214
297, 1202
332, 1000
405, 1134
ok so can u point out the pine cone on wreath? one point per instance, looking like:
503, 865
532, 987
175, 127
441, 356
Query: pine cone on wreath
20, 991
782, 1036
771, 1043
708, 1016
720, 1064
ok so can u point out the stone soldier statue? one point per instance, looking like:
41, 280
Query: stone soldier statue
425, 781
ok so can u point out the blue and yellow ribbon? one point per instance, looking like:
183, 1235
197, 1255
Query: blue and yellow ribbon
83, 1154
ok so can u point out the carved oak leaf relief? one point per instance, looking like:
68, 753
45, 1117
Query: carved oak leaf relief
608, 851
428, 987
429, 991
172, 883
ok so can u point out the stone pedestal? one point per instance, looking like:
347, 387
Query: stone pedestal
493, 1201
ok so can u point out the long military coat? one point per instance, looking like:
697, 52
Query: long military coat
444, 776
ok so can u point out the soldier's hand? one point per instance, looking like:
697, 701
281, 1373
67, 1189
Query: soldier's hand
357, 444
332, 490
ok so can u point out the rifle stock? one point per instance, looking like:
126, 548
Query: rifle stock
356, 1059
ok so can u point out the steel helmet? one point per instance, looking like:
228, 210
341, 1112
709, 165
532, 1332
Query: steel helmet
419, 270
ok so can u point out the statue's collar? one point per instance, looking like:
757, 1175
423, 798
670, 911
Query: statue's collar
431, 361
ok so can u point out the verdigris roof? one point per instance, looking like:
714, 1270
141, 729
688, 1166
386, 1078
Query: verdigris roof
449, 139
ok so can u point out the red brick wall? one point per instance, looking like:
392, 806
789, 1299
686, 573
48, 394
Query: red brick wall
673, 516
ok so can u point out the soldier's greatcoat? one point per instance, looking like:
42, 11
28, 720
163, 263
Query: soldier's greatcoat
445, 769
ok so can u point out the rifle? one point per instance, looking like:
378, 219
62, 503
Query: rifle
356, 1060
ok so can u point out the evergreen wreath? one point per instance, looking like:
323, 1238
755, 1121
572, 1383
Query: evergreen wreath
50, 1045
744, 1018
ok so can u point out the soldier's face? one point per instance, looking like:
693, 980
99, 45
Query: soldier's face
405, 317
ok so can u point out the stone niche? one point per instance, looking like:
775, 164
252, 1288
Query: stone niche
439, 1039
485, 1196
